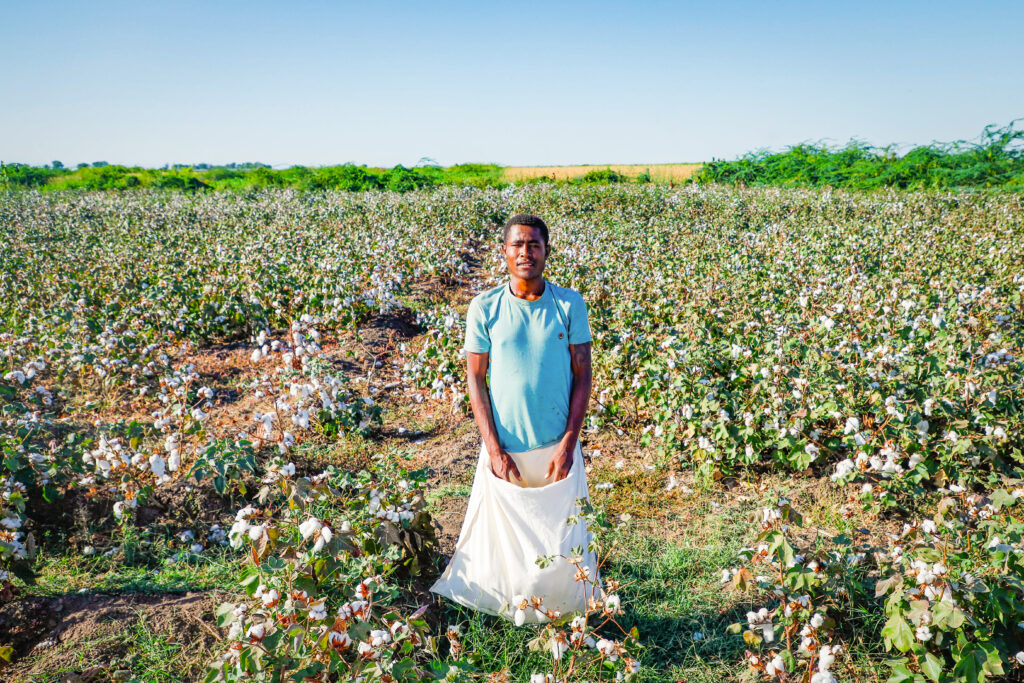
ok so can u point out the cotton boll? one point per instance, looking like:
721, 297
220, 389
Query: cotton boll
310, 527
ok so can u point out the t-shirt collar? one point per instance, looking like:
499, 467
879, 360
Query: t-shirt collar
525, 302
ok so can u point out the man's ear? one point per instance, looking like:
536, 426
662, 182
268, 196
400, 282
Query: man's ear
547, 249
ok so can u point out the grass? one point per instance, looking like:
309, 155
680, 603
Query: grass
448, 491
157, 658
75, 573
154, 656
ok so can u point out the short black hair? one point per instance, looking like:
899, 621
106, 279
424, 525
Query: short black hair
530, 221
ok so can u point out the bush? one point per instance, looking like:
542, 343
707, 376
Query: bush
996, 161
605, 175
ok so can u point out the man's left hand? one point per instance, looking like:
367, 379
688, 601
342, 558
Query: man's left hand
561, 461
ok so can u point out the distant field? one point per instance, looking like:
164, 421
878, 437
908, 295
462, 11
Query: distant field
663, 172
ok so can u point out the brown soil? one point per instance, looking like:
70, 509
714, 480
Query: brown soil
88, 637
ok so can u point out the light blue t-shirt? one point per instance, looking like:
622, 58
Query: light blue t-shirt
529, 368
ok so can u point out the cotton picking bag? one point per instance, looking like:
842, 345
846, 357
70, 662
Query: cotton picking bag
507, 526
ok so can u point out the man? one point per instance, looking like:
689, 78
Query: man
534, 338
531, 340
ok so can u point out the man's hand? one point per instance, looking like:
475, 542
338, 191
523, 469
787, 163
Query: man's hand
503, 466
561, 460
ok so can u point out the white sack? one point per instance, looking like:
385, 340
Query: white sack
507, 526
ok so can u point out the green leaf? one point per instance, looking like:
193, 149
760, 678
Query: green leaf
900, 672
842, 539
932, 667
250, 580
947, 616
273, 640
309, 672
968, 668
993, 665
225, 614
897, 633
245, 660
1000, 499
781, 546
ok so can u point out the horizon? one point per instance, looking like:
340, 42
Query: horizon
323, 84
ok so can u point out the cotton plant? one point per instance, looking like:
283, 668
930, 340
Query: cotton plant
576, 646
133, 468
948, 585
316, 585
952, 592
810, 589
17, 545
27, 466
303, 391
436, 371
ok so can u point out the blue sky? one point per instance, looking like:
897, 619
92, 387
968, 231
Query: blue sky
524, 83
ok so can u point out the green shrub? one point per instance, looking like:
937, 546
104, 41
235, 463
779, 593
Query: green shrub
605, 175
996, 161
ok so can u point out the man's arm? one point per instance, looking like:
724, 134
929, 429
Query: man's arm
582, 379
502, 464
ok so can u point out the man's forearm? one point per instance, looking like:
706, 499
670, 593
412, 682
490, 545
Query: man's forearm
579, 399
480, 401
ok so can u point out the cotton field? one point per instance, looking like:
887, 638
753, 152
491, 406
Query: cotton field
155, 343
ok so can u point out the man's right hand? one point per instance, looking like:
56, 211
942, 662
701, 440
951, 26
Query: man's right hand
503, 466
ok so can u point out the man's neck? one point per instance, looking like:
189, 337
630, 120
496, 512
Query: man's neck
531, 290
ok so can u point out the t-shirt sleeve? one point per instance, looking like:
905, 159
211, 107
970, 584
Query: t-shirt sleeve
579, 323
478, 340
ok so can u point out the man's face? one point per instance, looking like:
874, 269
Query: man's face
525, 252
